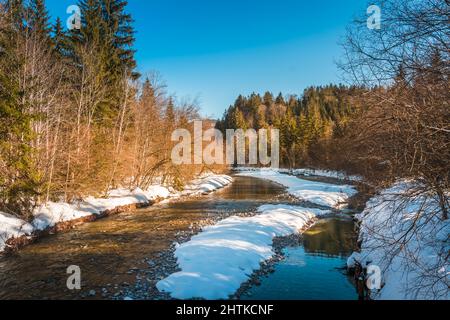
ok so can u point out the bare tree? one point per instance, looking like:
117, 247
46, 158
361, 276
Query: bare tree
404, 130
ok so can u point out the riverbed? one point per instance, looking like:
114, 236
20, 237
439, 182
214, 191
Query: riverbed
124, 256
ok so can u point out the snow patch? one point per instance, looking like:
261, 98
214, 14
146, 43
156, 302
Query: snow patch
52, 213
309, 172
327, 173
419, 269
207, 184
11, 227
217, 261
323, 194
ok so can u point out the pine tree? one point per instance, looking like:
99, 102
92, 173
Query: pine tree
238, 120
120, 28
107, 30
59, 37
39, 19
15, 132
18, 179
148, 93
280, 99
89, 34
170, 113
240, 102
15, 11
260, 117
268, 99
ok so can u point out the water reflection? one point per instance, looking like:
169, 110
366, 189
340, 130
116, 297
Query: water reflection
312, 271
331, 237
107, 249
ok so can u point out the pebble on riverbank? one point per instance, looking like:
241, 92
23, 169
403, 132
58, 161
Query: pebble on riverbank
165, 263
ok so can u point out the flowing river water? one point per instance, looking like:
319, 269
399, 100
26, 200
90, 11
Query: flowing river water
125, 255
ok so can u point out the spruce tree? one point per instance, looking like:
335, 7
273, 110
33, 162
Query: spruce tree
107, 29
268, 99
18, 179
148, 93
39, 20
59, 37
260, 118
14, 15
280, 100
170, 113
120, 27
238, 120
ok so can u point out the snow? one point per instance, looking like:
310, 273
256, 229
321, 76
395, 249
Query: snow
51, 213
217, 261
323, 194
311, 172
327, 173
353, 260
11, 227
419, 269
207, 184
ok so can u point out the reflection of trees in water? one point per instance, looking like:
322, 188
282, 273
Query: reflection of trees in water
242, 187
333, 237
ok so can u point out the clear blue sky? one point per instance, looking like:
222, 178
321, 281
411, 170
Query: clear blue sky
217, 49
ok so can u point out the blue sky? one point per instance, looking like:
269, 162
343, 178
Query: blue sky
215, 50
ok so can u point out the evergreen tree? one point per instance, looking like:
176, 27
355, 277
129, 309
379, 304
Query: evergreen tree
107, 30
260, 117
305, 123
119, 26
238, 120
268, 99
15, 11
39, 19
18, 179
90, 33
170, 113
148, 93
59, 37
280, 99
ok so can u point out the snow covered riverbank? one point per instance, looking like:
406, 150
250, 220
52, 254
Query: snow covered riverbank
323, 194
309, 173
217, 261
235, 247
52, 214
403, 233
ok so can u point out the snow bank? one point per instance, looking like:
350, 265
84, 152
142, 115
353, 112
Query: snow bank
216, 262
327, 173
418, 269
11, 227
309, 172
52, 213
207, 184
323, 194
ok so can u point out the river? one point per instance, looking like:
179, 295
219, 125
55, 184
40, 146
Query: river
125, 255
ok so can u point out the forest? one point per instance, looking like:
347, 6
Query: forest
76, 117
86, 135
307, 123
384, 133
